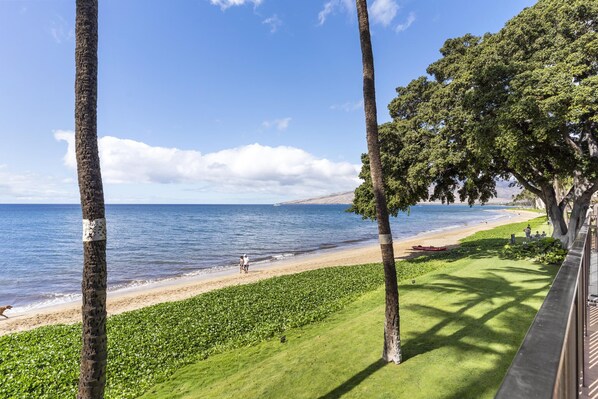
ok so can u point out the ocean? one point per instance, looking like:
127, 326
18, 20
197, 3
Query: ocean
41, 251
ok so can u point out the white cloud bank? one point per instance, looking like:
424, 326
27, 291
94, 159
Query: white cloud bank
224, 4
252, 168
26, 187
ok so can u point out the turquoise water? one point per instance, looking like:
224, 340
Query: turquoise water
41, 251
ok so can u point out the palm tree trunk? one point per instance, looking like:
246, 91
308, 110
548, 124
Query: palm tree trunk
392, 339
92, 377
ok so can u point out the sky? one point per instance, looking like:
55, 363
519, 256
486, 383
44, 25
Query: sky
212, 101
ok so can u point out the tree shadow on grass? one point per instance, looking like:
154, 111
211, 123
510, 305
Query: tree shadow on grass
355, 380
470, 333
476, 291
474, 335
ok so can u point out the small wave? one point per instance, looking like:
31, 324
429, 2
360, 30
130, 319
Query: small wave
496, 217
205, 270
327, 246
282, 256
444, 228
52, 300
356, 240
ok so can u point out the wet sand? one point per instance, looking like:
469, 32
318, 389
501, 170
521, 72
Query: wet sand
186, 287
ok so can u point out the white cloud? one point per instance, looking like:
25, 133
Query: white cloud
383, 11
328, 8
404, 26
224, 4
348, 106
26, 187
253, 168
60, 30
68, 136
279, 124
274, 23
331, 6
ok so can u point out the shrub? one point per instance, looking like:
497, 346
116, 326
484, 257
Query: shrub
546, 250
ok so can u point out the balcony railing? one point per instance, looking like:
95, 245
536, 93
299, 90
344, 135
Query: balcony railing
550, 362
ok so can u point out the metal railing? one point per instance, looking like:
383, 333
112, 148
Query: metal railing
551, 362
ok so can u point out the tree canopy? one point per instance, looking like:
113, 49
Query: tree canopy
519, 104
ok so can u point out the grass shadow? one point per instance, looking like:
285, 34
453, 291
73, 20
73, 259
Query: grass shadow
472, 292
352, 382
486, 316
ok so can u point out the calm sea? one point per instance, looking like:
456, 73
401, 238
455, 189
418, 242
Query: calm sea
41, 251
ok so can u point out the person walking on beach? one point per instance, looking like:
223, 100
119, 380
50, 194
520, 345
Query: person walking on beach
246, 263
241, 264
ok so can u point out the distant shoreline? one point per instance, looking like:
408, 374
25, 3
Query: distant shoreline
185, 287
347, 198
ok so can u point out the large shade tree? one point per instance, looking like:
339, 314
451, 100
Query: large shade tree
519, 104
92, 377
392, 341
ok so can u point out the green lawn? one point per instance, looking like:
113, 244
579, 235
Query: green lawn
461, 326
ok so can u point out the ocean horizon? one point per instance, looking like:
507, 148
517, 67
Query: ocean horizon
41, 251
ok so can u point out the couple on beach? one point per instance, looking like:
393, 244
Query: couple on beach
244, 264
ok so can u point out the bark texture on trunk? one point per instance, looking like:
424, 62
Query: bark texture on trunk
581, 204
555, 213
92, 377
392, 340
580, 196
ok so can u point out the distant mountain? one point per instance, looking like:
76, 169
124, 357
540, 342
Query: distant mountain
505, 195
338, 198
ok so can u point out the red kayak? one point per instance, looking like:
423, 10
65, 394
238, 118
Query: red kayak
430, 248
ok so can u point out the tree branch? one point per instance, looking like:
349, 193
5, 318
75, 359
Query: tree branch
572, 144
594, 187
567, 197
592, 144
525, 183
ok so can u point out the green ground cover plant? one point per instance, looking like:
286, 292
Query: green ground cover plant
148, 345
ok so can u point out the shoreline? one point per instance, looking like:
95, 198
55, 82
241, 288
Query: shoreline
61, 299
179, 288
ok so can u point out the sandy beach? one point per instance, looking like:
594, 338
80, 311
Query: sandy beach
186, 287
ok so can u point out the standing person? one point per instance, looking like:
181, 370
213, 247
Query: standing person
528, 232
246, 263
241, 264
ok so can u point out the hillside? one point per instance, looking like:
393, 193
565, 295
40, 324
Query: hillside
504, 195
338, 198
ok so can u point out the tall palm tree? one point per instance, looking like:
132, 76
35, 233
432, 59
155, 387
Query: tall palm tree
392, 338
93, 354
